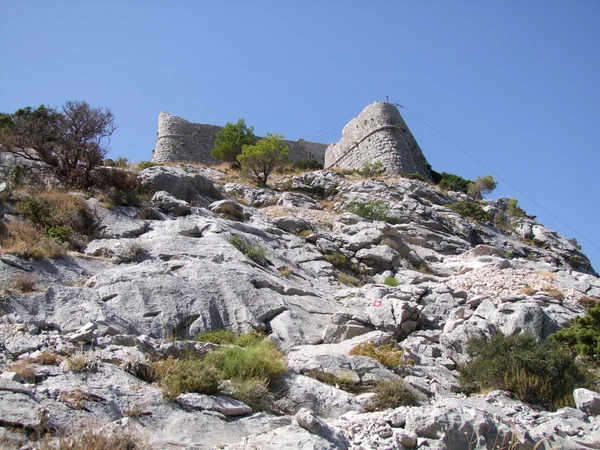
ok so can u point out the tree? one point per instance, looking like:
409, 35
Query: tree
483, 185
231, 139
69, 144
260, 160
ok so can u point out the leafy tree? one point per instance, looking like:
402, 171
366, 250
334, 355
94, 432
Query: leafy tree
69, 143
260, 160
231, 140
481, 186
452, 182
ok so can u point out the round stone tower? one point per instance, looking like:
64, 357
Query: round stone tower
378, 134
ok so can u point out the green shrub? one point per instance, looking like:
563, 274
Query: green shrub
391, 281
371, 209
583, 335
308, 164
537, 373
318, 191
337, 259
349, 280
391, 394
451, 182
341, 380
146, 164
471, 210
423, 267
38, 211
221, 337
373, 169
253, 251
254, 392
61, 234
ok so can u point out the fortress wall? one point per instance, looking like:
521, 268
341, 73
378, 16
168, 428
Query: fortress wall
180, 140
378, 133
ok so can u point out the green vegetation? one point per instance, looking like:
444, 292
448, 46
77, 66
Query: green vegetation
583, 336
372, 170
481, 186
119, 162
253, 251
145, 164
251, 361
537, 373
423, 267
70, 144
260, 160
391, 394
391, 281
471, 210
370, 209
341, 380
451, 182
308, 164
349, 280
390, 355
337, 259
230, 141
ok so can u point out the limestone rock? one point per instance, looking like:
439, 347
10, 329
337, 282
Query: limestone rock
587, 401
310, 422
221, 404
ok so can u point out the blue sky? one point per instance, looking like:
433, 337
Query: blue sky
515, 84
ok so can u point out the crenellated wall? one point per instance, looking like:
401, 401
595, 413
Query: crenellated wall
180, 140
378, 134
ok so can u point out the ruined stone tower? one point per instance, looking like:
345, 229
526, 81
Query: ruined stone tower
180, 140
378, 134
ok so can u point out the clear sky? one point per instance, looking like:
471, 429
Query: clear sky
514, 83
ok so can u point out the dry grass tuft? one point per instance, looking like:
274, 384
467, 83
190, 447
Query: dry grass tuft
27, 241
74, 399
390, 355
82, 361
527, 290
23, 368
24, 282
552, 292
47, 358
96, 439
286, 271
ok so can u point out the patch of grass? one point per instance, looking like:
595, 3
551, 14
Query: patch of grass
391, 394
253, 251
423, 267
337, 259
537, 243
286, 271
139, 368
47, 358
339, 380
349, 280
413, 176
527, 290
191, 375
470, 210
254, 392
24, 369
262, 360
376, 210
552, 292
391, 281
389, 355
221, 337
305, 233
81, 361
537, 373
24, 282
145, 164
588, 301
96, 439
74, 399
25, 240
308, 164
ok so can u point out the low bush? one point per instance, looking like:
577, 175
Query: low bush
452, 182
47, 358
24, 369
349, 280
423, 267
541, 373
470, 210
370, 209
253, 251
371, 170
81, 361
413, 176
308, 164
254, 392
391, 394
391, 281
583, 336
341, 380
337, 259
146, 164
27, 241
191, 375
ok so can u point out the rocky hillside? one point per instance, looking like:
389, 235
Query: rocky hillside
321, 263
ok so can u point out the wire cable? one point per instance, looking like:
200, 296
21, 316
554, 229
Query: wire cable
498, 176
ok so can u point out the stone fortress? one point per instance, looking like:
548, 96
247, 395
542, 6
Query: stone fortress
378, 133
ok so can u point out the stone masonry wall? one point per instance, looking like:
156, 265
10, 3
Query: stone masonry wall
180, 140
378, 134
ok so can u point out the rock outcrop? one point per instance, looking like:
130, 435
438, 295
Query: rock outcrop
431, 280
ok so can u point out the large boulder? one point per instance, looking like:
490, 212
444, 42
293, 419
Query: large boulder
193, 188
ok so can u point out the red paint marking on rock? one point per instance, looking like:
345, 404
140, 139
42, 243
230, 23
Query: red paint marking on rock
377, 303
